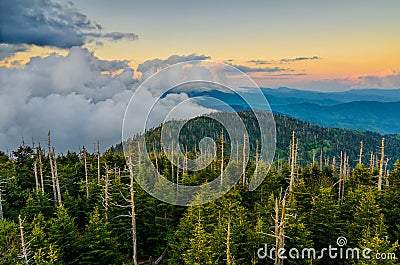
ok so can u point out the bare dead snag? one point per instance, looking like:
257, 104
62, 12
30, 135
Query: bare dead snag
98, 161
292, 162
381, 165
133, 216
228, 243
57, 180
53, 181
106, 186
36, 176
24, 246
86, 173
222, 158
244, 180
39, 154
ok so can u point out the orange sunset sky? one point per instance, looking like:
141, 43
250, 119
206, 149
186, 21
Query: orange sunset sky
319, 45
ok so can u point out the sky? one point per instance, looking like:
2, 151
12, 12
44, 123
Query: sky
70, 65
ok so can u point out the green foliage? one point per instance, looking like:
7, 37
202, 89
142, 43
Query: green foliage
80, 231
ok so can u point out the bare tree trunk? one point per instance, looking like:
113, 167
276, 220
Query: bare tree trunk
185, 168
53, 182
24, 248
257, 158
292, 161
1, 202
36, 176
279, 229
133, 216
381, 164
155, 156
98, 161
228, 243
244, 160
39, 153
57, 180
86, 173
361, 153
106, 191
222, 158
340, 177
320, 160
172, 165
313, 157
177, 174
334, 163
371, 162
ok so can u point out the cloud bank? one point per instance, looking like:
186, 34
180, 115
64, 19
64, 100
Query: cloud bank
79, 97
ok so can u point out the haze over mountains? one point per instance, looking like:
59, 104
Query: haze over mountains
375, 110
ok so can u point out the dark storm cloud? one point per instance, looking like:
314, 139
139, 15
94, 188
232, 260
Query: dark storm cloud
46, 23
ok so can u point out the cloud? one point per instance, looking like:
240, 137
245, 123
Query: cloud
79, 97
152, 66
7, 50
282, 61
260, 61
389, 79
47, 23
247, 69
298, 59
386, 79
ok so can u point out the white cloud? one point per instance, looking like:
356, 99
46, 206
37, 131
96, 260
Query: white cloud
69, 95
78, 97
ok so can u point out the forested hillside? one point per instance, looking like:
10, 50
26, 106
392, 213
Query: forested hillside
86, 208
312, 139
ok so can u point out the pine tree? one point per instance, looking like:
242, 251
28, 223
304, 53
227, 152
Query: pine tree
98, 244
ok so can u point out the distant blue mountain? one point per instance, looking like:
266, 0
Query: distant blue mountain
375, 110
380, 95
361, 115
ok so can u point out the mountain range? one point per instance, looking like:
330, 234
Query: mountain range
374, 110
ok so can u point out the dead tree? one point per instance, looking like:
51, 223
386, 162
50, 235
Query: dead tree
36, 176
244, 161
292, 160
372, 162
53, 181
1, 200
25, 252
279, 229
133, 216
342, 170
320, 160
380, 177
57, 180
222, 158
106, 187
172, 163
39, 154
86, 173
361, 153
228, 243
98, 161
257, 160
